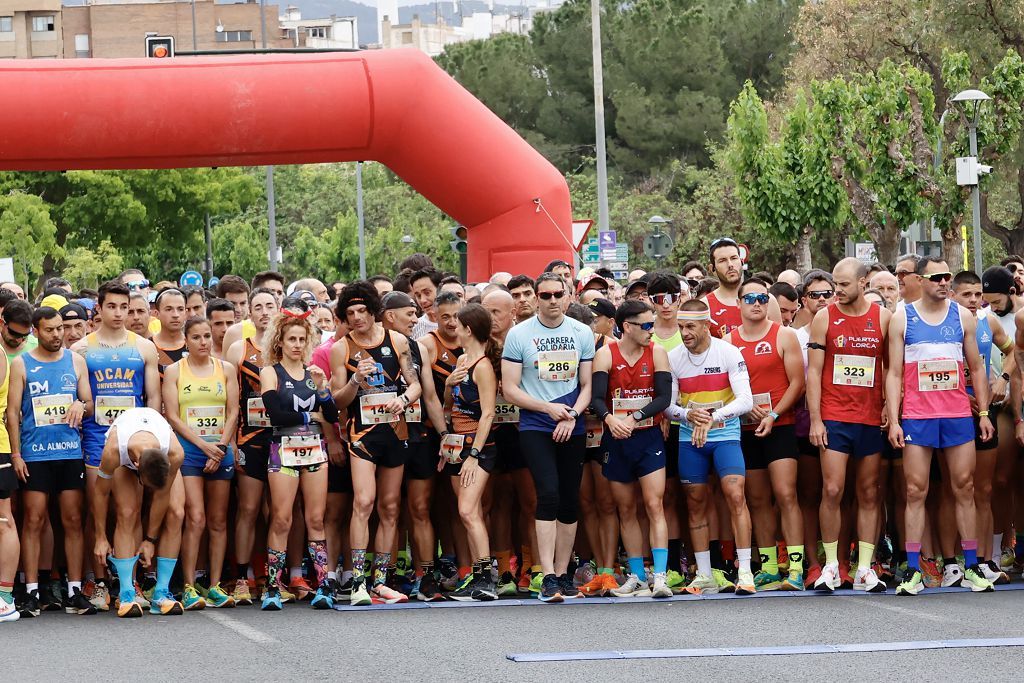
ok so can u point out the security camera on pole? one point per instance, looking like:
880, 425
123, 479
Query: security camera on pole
658, 245
968, 170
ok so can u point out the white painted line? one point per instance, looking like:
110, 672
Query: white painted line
244, 630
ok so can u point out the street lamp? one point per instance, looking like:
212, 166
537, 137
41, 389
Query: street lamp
658, 245
968, 169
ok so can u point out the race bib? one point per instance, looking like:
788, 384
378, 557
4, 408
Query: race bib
299, 451
622, 407
711, 407
763, 401
206, 421
256, 413
858, 371
414, 412
51, 410
504, 412
938, 375
108, 408
451, 448
595, 430
557, 366
373, 410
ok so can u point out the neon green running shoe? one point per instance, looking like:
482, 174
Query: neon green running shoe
216, 597
724, 584
765, 581
191, 599
536, 582
675, 581
794, 581
912, 586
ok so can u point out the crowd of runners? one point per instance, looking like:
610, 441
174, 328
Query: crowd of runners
556, 435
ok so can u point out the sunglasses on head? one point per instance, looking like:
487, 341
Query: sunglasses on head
939, 277
666, 299
824, 294
546, 296
646, 327
753, 298
137, 284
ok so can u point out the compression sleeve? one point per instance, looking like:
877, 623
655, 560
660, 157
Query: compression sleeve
599, 389
674, 411
281, 415
328, 408
662, 394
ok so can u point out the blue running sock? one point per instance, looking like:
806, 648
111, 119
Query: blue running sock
660, 560
125, 568
164, 569
913, 556
970, 547
636, 566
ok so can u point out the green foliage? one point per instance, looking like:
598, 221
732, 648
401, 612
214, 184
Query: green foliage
27, 232
89, 267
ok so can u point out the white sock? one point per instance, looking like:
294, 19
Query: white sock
332, 575
997, 546
296, 573
31, 587
743, 555
703, 562
72, 585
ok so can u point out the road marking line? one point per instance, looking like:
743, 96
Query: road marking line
244, 630
812, 649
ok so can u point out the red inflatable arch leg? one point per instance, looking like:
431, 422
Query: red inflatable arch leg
396, 107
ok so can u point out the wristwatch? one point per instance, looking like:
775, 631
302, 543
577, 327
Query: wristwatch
474, 453
150, 539
573, 414
637, 415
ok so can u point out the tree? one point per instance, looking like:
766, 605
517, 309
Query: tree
27, 232
89, 267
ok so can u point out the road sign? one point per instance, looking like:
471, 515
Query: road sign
617, 265
744, 252
607, 239
657, 246
580, 229
190, 278
619, 274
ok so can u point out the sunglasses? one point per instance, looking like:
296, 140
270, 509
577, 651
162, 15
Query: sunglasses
694, 284
646, 327
900, 274
546, 296
665, 299
939, 277
14, 333
137, 284
826, 294
751, 299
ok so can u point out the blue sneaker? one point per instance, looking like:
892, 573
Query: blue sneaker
271, 600
324, 598
164, 604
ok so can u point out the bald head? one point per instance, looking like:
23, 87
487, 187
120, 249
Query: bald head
789, 276
500, 278
889, 286
853, 267
500, 305
850, 278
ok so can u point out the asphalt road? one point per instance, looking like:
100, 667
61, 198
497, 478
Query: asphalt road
459, 643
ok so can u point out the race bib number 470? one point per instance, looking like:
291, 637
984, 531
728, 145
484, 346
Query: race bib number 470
108, 408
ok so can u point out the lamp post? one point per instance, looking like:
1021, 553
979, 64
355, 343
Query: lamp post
658, 244
968, 169
602, 160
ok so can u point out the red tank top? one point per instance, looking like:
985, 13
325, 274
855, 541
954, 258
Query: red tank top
767, 371
725, 317
852, 378
631, 387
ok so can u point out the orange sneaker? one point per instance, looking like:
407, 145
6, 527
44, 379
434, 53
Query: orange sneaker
596, 587
300, 588
813, 574
845, 580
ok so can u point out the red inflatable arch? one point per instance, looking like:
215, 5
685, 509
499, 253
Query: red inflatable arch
396, 107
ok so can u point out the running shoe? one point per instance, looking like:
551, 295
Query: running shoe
389, 596
30, 606
286, 595
300, 588
991, 572
465, 590
324, 597
343, 591
129, 610
507, 585
703, 585
536, 584
867, 580
660, 589
429, 590
51, 597
845, 580
584, 574
191, 600
596, 587
218, 598
829, 579
448, 574
675, 581
77, 603
1007, 559
794, 581
271, 600
164, 604
525, 582
8, 610
883, 573
100, 596
813, 573
141, 599
359, 596
241, 595
634, 587
725, 585
569, 589
913, 585
745, 583
765, 581
550, 590
930, 573
975, 580
484, 589
952, 576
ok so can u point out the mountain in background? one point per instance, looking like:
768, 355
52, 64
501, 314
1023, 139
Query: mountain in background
367, 15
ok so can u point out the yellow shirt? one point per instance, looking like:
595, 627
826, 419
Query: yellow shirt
5, 440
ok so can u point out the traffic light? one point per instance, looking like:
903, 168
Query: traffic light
458, 242
160, 47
